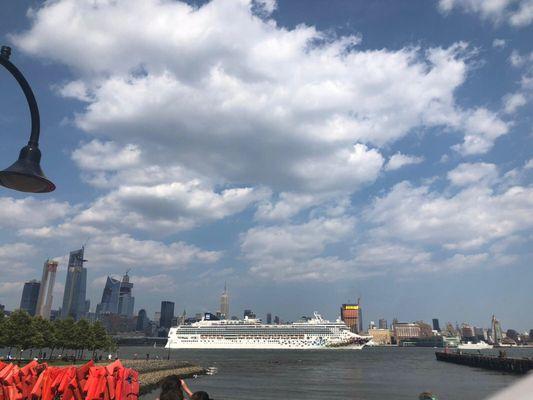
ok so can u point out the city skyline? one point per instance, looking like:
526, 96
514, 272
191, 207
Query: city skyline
372, 149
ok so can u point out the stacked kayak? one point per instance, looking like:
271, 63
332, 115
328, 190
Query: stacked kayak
89, 382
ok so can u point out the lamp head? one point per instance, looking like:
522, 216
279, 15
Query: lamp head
25, 174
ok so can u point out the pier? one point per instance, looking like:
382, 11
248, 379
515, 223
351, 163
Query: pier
496, 363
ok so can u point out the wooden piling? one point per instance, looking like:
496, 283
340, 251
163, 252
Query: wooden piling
504, 364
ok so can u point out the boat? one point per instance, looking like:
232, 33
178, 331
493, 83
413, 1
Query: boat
251, 333
481, 345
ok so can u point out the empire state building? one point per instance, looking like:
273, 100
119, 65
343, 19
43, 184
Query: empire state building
224, 303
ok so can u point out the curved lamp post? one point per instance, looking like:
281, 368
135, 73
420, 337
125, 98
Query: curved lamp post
25, 174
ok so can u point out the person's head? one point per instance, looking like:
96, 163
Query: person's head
171, 389
200, 396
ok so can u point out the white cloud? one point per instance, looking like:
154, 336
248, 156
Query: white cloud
295, 241
124, 251
467, 219
518, 13
482, 128
499, 43
106, 156
287, 205
263, 107
468, 174
513, 102
30, 212
400, 160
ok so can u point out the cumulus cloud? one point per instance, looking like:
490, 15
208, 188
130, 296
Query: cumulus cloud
499, 43
467, 174
513, 102
400, 160
264, 107
31, 212
467, 219
518, 13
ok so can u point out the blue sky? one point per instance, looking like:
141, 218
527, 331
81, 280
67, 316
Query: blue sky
305, 153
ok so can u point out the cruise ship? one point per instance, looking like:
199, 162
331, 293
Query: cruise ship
315, 333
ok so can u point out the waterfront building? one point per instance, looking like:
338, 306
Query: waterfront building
142, 321
249, 314
436, 325
75, 304
404, 330
372, 325
269, 318
467, 332
167, 314
425, 329
125, 299
382, 323
224, 303
30, 295
46, 290
481, 334
351, 314
109, 303
380, 336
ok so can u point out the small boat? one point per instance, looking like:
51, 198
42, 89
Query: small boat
481, 345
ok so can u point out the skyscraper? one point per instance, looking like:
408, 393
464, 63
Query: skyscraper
382, 323
269, 318
167, 314
436, 325
224, 303
125, 299
74, 301
44, 301
352, 316
142, 321
30, 295
109, 303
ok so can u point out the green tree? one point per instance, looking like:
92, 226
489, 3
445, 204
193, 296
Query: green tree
64, 334
2, 331
19, 331
83, 335
99, 338
44, 335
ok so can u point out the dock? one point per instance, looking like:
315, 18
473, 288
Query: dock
496, 363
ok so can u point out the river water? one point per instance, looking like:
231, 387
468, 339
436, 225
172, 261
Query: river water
370, 374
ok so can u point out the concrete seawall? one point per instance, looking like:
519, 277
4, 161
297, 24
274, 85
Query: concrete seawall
504, 364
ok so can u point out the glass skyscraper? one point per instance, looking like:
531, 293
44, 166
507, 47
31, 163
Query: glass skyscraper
30, 295
74, 297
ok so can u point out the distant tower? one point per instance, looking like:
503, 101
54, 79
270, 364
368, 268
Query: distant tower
74, 300
497, 334
436, 325
30, 295
269, 318
224, 303
110, 295
44, 302
167, 314
352, 316
382, 323
125, 299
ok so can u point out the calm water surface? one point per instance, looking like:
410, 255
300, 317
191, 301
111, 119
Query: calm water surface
369, 374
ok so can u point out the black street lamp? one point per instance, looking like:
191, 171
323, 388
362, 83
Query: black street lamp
25, 174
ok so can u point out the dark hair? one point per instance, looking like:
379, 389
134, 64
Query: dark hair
200, 396
171, 388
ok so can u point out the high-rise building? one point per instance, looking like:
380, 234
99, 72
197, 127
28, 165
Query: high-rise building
30, 295
167, 314
224, 303
436, 325
467, 332
74, 299
44, 302
352, 316
276, 319
249, 314
142, 321
372, 325
497, 334
109, 303
269, 318
125, 298
382, 323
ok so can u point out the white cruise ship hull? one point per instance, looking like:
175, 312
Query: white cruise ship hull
316, 333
